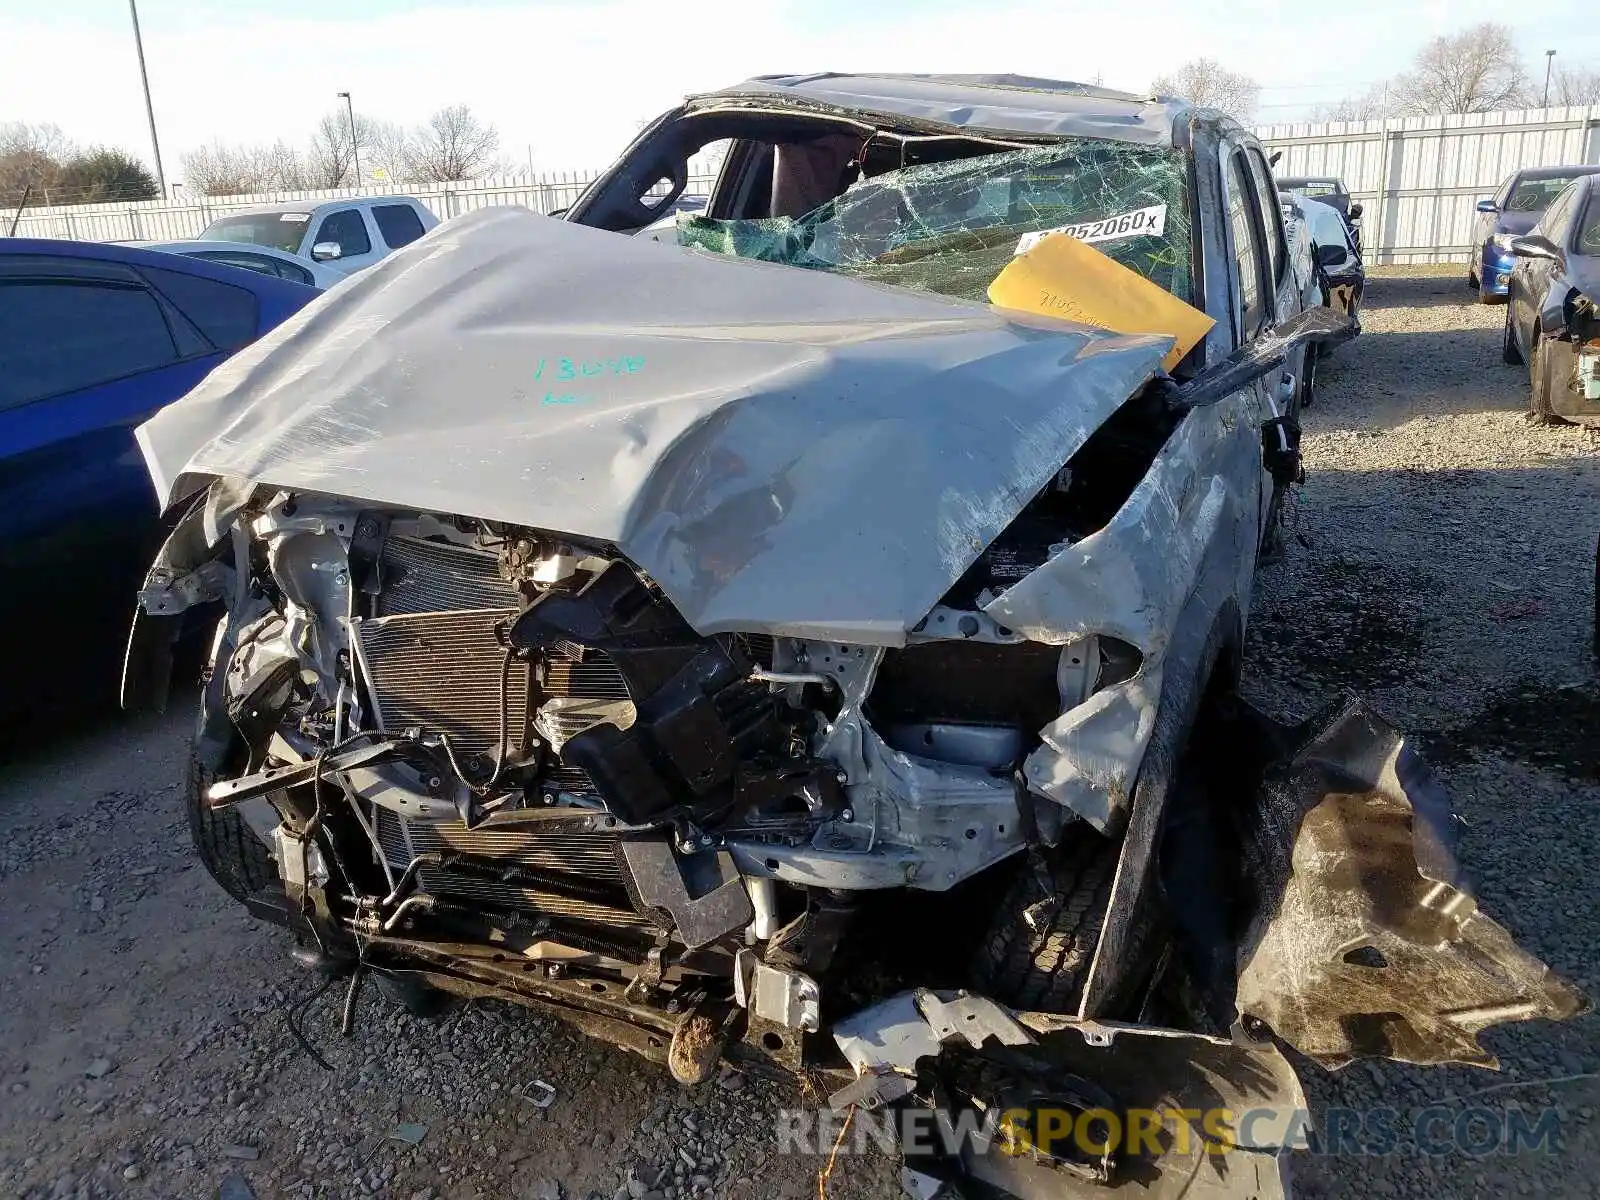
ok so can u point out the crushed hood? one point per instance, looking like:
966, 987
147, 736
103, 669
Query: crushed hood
782, 450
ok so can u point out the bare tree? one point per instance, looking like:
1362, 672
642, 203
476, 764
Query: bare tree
454, 144
284, 166
45, 139
1373, 105
31, 155
1476, 70
219, 170
1575, 85
332, 159
390, 152
1208, 84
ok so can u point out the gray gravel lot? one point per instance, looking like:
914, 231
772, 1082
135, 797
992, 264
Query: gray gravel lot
1442, 564
1445, 569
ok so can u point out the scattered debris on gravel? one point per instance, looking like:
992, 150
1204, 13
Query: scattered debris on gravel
1445, 568
1442, 564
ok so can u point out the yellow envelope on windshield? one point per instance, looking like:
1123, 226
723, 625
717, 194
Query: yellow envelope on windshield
1063, 277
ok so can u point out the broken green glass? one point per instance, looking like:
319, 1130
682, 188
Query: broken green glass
951, 227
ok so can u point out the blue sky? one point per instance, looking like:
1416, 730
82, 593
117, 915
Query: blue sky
568, 81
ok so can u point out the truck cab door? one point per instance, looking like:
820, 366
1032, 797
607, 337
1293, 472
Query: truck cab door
1255, 310
342, 239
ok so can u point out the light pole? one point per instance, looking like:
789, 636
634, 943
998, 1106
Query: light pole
355, 154
1549, 61
149, 109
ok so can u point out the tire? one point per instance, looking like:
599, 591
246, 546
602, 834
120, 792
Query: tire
1510, 352
1046, 970
1274, 538
411, 994
236, 858
1472, 279
1541, 382
1308, 376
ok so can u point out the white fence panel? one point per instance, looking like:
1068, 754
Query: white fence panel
155, 221
1420, 178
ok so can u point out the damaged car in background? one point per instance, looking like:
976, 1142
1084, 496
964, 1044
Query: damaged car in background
1553, 313
764, 648
1336, 266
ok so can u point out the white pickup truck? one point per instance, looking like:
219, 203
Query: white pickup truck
346, 235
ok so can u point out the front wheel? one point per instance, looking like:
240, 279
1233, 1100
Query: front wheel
1543, 383
1510, 352
229, 849
1308, 375
1045, 968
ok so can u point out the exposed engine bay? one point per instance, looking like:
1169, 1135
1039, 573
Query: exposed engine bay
524, 721
499, 761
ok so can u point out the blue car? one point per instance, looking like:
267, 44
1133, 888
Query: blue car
94, 339
1514, 209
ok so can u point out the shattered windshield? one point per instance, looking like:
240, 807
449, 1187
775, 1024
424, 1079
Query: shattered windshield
951, 227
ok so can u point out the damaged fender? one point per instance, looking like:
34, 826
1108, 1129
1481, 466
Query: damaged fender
1154, 568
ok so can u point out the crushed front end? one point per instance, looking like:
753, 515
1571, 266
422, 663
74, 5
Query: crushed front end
821, 689
497, 762
501, 759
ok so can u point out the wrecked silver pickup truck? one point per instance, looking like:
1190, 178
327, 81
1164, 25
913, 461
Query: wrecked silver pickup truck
759, 647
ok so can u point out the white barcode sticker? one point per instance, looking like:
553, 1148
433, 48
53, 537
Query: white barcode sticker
1144, 222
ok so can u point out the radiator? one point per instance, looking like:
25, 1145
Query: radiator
421, 576
433, 659
591, 856
441, 671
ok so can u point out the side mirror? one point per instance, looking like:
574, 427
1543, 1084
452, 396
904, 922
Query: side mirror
1532, 245
1313, 326
1276, 155
1488, 206
324, 251
1355, 212
1330, 255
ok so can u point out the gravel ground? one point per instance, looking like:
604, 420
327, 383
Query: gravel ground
1442, 565
1445, 568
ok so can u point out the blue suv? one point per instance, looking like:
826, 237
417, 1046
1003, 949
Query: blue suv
94, 339
1514, 210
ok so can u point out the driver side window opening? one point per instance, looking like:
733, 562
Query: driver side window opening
1271, 214
1244, 224
348, 229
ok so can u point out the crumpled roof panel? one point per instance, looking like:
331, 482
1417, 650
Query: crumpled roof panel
1018, 105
